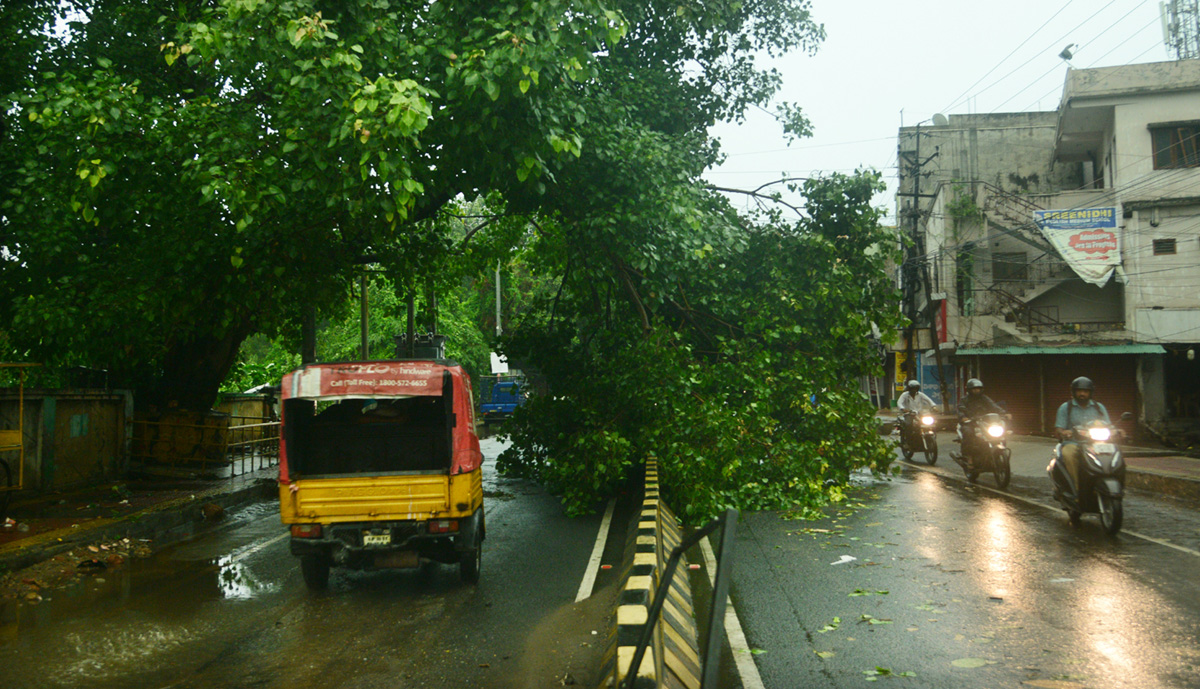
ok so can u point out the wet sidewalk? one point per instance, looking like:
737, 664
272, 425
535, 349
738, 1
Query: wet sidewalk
149, 512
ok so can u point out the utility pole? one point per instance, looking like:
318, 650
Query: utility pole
364, 319
916, 268
499, 330
308, 336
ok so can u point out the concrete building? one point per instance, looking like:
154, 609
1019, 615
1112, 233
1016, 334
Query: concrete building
1048, 245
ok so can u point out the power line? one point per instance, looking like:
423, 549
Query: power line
1093, 39
1095, 62
958, 99
1042, 52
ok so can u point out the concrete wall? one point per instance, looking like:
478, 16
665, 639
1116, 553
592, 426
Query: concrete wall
1079, 302
1010, 150
1167, 282
1133, 160
72, 437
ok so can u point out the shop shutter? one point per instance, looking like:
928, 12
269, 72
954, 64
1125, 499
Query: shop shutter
1013, 380
1115, 376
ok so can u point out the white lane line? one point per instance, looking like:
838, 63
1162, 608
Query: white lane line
589, 574
733, 628
243, 554
1056, 508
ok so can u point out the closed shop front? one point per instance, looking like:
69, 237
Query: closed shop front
1033, 381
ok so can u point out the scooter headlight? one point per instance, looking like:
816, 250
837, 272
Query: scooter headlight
1100, 434
927, 420
995, 431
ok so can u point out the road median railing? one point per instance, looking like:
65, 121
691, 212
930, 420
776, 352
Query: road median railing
656, 630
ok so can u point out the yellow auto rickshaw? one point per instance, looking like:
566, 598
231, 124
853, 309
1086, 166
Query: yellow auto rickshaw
380, 467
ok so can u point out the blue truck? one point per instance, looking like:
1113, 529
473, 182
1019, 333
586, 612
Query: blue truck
506, 396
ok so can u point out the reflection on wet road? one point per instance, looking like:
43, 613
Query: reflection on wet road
230, 609
963, 587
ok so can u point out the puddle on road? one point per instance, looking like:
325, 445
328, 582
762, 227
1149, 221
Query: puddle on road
168, 585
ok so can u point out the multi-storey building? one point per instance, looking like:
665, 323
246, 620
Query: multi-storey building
1049, 245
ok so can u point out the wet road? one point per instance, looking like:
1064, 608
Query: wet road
230, 609
963, 586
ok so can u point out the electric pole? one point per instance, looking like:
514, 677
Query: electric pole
916, 269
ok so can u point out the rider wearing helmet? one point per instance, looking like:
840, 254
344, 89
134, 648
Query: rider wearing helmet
914, 401
972, 406
1080, 410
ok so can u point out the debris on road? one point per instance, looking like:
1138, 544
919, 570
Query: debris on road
70, 568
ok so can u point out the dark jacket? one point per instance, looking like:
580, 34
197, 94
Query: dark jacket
970, 406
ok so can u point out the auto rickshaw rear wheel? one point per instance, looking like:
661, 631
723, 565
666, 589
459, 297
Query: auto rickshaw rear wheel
470, 562
315, 569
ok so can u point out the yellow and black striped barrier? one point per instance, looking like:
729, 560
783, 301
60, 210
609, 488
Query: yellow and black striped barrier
672, 658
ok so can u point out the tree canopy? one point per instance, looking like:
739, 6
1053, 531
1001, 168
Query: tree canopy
182, 174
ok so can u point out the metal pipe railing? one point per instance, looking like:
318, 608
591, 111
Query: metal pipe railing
710, 648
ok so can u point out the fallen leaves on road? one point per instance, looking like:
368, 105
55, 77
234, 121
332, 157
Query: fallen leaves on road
971, 663
874, 675
831, 626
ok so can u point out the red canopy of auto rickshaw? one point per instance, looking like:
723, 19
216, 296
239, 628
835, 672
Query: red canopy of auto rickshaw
382, 380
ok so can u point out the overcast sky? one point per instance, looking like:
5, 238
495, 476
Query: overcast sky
885, 62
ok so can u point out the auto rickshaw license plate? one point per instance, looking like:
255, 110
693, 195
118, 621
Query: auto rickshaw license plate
376, 538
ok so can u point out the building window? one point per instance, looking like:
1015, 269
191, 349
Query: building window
1175, 145
1010, 267
1164, 247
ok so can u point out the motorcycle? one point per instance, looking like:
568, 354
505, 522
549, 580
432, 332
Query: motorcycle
1102, 477
990, 432
925, 440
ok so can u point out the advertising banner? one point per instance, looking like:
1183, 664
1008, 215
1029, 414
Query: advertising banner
901, 374
366, 379
1086, 238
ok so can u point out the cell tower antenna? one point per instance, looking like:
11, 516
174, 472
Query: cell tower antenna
1181, 28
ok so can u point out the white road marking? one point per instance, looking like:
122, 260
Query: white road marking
589, 574
243, 554
1056, 508
733, 628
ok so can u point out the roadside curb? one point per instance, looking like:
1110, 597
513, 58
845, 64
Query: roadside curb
673, 658
165, 523
1164, 483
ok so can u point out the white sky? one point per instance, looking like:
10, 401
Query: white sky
924, 57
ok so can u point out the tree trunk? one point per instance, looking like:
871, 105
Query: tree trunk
193, 370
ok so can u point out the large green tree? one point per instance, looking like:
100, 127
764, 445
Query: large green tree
199, 171
188, 172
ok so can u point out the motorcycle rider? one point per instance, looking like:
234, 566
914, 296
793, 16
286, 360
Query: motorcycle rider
1080, 410
974, 405
911, 400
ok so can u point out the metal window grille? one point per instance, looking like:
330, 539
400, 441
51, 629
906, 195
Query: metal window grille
1164, 247
1175, 146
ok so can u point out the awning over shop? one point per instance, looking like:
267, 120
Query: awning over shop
1070, 349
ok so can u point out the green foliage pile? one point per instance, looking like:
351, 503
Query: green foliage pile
746, 385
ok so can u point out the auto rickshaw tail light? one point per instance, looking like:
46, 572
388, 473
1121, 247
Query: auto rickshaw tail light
306, 530
443, 525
